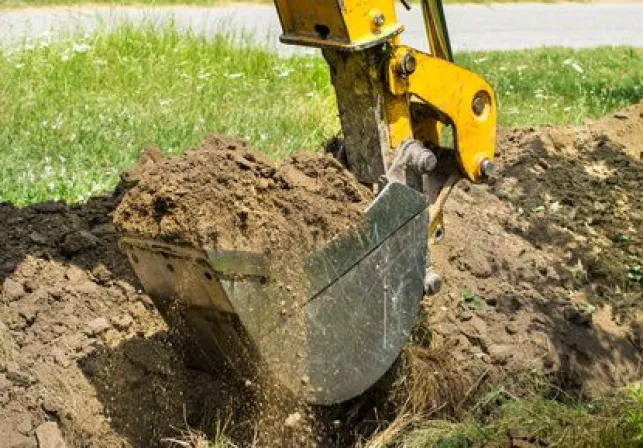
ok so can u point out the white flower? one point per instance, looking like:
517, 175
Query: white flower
234, 75
203, 75
284, 73
81, 48
66, 55
574, 65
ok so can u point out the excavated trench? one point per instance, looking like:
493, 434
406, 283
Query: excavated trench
540, 272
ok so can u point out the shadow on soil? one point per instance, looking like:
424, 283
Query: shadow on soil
586, 208
147, 393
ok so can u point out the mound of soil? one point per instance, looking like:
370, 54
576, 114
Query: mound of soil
538, 269
225, 196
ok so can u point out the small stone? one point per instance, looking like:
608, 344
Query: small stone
49, 436
38, 238
12, 290
80, 241
511, 328
293, 420
501, 354
55, 293
97, 326
52, 405
75, 275
123, 322
465, 315
620, 116
24, 426
18, 377
101, 274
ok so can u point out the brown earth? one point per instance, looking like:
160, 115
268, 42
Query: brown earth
536, 278
226, 196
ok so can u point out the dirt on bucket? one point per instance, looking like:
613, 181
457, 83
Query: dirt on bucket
539, 267
225, 196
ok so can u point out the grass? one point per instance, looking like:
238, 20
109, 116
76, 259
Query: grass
615, 422
76, 113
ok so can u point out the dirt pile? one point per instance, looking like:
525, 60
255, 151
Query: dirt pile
539, 269
225, 196
550, 281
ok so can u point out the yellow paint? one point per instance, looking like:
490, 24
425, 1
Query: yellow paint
450, 90
348, 24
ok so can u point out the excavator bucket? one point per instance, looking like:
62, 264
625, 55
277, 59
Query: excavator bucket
354, 310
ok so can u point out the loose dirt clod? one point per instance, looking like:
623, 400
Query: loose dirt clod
540, 265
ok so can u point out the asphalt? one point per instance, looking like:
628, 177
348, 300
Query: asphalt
472, 27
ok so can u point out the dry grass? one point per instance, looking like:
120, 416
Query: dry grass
429, 383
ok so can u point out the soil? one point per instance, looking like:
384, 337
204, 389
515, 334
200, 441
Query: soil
538, 265
227, 197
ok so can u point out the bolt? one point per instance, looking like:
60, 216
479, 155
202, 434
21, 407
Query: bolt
487, 168
427, 161
408, 64
438, 235
432, 282
478, 105
379, 19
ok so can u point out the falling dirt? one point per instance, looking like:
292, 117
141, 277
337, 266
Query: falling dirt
539, 269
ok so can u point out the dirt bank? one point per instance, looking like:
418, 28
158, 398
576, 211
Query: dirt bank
539, 269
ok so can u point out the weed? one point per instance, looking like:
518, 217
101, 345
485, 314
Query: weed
470, 300
634, 273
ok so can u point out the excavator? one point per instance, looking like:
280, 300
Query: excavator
413, 124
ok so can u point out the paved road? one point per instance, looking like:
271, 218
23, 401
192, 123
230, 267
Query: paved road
472, 27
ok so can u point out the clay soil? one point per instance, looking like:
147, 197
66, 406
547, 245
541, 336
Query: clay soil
539, 269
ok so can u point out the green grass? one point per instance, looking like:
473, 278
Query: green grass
74, 114
615, 422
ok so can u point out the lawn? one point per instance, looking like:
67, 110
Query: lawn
75, 113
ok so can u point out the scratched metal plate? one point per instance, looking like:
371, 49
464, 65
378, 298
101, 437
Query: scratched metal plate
364, 291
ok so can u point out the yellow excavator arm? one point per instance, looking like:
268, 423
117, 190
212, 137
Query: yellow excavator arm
357, 296
390, 94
